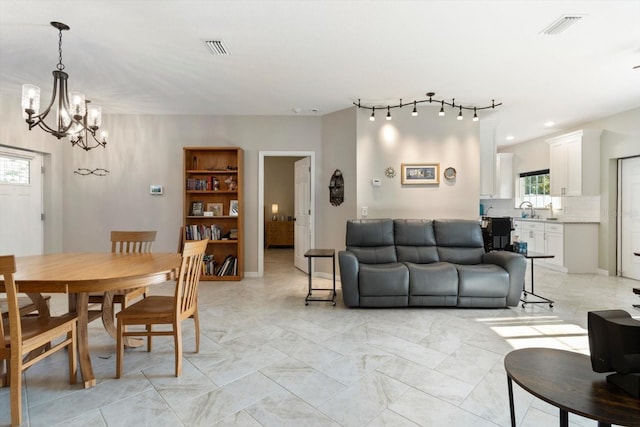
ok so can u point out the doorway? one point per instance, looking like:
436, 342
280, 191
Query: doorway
21, 198
629, 219
266, 211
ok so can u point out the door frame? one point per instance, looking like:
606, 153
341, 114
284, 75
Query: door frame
262, 155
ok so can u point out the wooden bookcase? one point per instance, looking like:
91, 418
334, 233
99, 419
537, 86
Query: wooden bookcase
203, 166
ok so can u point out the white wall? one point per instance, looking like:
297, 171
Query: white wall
338, 152
423, 139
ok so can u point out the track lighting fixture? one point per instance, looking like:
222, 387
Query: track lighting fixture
373, 115
430, 100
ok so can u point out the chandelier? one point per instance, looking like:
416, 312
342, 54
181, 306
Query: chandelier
74, 117
430, 100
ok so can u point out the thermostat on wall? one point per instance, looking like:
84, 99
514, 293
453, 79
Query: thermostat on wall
376, 182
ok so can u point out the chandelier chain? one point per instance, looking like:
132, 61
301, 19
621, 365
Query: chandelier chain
60, 65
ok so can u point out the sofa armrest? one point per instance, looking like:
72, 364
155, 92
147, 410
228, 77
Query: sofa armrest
516, 266
349, 268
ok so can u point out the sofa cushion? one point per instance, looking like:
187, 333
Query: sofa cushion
433, 284
415, 241
483, 285
383, 280
371, 240
459, 241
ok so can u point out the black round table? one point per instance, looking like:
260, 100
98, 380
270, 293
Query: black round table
565, 379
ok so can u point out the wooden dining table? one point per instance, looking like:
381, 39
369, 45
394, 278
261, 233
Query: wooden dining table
78, 274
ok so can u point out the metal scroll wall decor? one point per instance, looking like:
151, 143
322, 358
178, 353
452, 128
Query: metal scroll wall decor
336, 188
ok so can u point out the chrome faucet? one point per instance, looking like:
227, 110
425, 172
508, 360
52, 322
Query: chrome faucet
532, 213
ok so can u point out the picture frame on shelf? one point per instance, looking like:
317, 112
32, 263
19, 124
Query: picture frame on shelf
216, 208
420, 173
196, 208
233, 208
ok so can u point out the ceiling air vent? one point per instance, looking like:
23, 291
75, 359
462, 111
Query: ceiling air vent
217, 47
561, 24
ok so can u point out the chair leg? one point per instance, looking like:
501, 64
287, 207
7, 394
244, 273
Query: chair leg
177, 338
73, 351
119, 349
16, 390
196, 321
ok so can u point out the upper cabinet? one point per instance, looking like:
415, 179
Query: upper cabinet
496, 170
504, 176
574, 163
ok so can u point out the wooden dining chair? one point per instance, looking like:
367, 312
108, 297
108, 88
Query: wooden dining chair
166, 310
124, 242
23, 334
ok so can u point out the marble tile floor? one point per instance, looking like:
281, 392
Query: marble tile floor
266, 359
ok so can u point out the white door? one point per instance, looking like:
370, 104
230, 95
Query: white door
630, 217
21, 228
302, 201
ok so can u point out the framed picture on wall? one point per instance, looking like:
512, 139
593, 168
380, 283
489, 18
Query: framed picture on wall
420, 173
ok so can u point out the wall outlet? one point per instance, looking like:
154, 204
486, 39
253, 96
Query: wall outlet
364, 211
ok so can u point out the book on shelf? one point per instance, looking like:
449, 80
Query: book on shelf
200, 232
229, 267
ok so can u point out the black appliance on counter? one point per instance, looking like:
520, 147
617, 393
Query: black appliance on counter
496, 232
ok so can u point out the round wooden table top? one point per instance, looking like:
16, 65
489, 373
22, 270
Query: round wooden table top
566, 380
88, 272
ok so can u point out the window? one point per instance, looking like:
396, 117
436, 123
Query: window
535, 188
14, 170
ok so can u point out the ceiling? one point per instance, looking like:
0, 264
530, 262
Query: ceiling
310, 57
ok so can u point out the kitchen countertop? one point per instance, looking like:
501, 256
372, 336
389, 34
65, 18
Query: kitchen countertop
558, 221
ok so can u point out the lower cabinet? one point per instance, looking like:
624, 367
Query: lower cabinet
574, 245
279, 233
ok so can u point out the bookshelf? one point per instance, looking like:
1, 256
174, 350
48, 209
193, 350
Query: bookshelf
213, 208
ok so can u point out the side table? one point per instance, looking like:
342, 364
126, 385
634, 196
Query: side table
534, 255
321, 253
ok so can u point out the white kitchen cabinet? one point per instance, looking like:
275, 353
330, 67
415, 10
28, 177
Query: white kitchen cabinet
504, 176
574, 163
554, 243
574, 245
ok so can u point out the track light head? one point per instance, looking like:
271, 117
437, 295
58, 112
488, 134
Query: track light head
460, 114
414, 113
388, 113
441, 113
475, 115
372, 117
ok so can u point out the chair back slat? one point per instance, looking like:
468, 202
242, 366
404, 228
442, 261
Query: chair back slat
187, 286
132, 241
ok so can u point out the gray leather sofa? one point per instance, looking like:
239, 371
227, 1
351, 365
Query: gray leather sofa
405, 262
